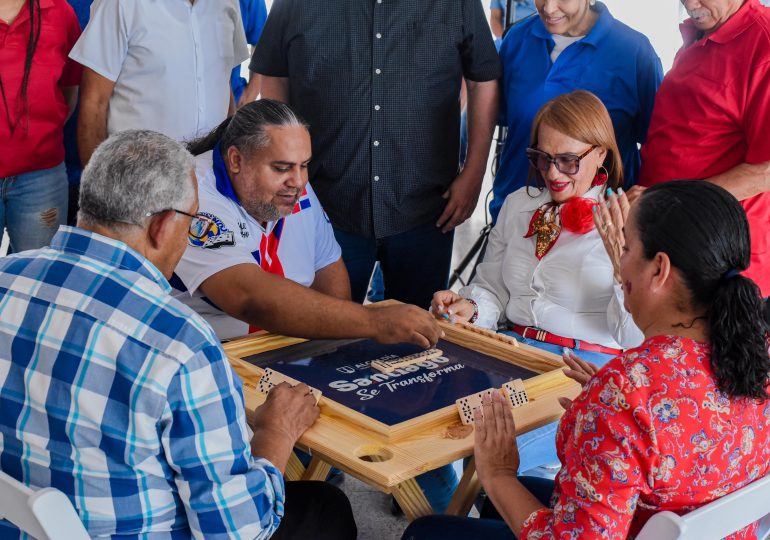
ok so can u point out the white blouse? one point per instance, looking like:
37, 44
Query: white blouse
570, 292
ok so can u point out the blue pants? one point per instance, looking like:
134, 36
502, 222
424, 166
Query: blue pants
414, 264
32, 206
489, 527
538, 447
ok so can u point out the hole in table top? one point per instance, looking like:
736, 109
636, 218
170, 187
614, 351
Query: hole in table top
373, 454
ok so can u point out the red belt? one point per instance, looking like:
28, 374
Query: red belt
541, 335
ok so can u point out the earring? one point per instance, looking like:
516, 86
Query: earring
601, 177
592, 3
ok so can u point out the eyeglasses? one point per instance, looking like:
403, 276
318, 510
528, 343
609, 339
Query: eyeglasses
199, 225
565, 163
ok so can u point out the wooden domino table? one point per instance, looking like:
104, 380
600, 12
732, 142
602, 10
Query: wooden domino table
388, 453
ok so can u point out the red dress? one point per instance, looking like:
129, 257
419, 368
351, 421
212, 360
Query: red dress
651, 432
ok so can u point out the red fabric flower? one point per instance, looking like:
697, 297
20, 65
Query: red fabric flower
577, 215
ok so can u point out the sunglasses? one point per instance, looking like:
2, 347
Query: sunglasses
564, 163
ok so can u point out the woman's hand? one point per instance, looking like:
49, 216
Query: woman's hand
610, 217
495, 446
578, 370
451, 306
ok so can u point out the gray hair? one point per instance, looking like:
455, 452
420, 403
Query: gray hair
247, 128
134, 174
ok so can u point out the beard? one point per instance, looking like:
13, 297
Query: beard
268, 211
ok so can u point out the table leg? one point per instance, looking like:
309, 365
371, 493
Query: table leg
411, 499
466, 492
317, 470
294, 468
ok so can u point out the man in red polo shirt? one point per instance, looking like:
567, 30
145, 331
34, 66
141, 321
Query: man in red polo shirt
711, 114
38, 89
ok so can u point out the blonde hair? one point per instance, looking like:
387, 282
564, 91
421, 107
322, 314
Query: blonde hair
582, 116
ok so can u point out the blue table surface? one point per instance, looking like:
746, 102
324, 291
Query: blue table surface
341, 370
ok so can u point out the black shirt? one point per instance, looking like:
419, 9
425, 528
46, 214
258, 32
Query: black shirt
379, 83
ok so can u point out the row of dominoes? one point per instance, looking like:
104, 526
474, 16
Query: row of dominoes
497, 336
271, 378
514, 392
388, 366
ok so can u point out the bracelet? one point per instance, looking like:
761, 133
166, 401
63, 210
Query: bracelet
475, 315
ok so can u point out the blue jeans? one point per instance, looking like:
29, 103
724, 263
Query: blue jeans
538, 447
32, 206
489, 527
415, 264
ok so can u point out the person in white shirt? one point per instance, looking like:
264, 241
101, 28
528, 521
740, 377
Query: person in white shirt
546, 278
267, 258
163, 66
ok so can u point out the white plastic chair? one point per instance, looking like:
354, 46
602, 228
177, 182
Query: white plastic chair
717, 519
46, 514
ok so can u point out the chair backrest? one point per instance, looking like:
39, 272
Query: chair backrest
46, 514
717, 519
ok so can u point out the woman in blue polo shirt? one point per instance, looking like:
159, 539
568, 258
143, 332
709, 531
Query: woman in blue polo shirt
573, 45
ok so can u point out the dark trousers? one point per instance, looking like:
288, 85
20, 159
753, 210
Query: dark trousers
316, 510
415, 264
489, 527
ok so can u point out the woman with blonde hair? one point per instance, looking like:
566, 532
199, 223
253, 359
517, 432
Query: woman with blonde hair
546, 279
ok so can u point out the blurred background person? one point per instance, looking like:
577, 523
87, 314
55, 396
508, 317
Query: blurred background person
573, 44
164, 66
38, 90
710, 116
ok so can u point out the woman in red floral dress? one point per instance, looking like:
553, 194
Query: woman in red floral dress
673, 424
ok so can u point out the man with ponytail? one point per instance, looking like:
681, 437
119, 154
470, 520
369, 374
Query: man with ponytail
673, 424
268, 258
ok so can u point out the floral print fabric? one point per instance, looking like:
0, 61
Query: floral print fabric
651, 432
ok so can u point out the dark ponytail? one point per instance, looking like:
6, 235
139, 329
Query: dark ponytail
22, 108
246, 129
206, 143
704, 231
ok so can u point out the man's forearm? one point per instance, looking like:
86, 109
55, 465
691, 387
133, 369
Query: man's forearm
496, 22
272, 446
92, 129
251, 92
745, 180
482, 114
276, 88
284, 307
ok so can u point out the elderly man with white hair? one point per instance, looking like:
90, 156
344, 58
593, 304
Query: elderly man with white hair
711, 113
120, 396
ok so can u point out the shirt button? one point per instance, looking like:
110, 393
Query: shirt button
378, 71
379, 1
378, 35
376, 143
376, 178
376, 107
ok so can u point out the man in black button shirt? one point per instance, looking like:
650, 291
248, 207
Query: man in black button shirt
379, 82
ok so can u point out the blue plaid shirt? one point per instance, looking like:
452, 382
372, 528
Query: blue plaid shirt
121, 397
